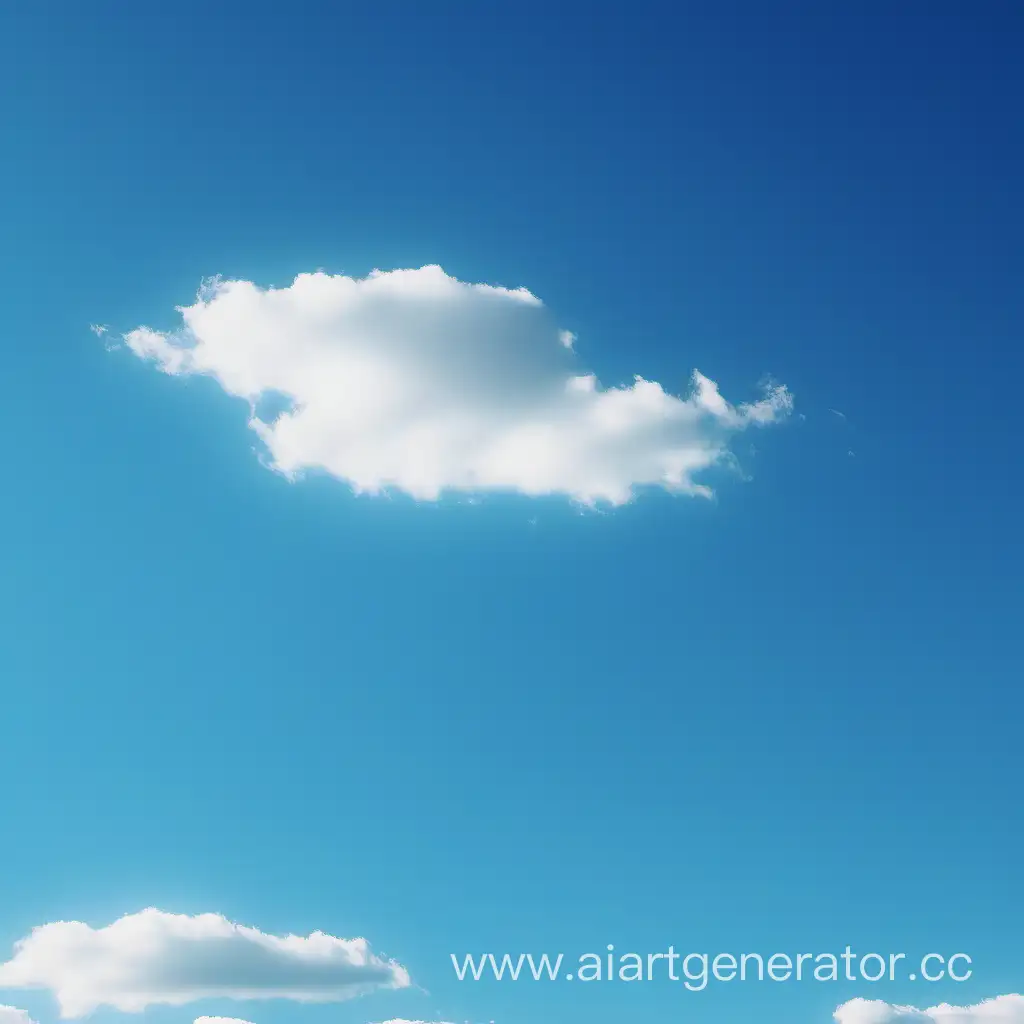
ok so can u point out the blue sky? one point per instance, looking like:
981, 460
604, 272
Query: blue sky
785, 718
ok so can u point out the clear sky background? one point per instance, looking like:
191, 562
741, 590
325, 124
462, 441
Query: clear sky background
784, 719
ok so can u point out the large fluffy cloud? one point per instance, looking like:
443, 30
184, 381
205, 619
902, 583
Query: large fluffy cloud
153, 957
414, 381
1001, 1010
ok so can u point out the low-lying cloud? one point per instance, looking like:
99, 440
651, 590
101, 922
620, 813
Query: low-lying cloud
402, 1020
1007, 1009
413, 381
153, 958
12, 1015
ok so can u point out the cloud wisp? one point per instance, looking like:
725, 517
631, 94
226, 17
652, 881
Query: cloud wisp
152, 958
1008, 1009
414, 381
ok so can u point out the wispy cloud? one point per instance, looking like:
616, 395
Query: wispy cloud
153, 958
411, 380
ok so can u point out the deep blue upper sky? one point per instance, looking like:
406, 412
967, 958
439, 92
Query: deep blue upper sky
787, 719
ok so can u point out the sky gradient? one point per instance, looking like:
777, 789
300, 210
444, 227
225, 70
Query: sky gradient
782, 718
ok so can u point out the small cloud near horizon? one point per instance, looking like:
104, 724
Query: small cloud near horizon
155, 958
13, 1015
1008, 1009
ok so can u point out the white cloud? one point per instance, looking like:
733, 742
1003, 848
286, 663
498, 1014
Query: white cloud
220, 1020
154, 958
402, 1020
12, 1015
411, 380
1001, 1010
